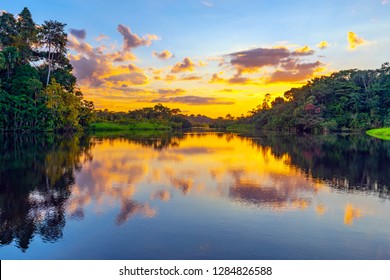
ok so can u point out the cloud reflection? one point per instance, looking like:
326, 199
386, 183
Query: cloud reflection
133, 173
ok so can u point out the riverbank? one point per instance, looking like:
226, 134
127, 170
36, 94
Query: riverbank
381, 133
106, 126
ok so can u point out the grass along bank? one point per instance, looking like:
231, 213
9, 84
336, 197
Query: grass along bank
382, 133
108, 126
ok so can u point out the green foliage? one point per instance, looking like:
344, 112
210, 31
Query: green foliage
8, 30
157, 117
382, 133
26, 36
27, 101
346, 100
135, 125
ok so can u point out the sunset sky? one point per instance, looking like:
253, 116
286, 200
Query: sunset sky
211, 57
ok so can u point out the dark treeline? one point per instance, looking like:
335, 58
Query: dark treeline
37, 88
346, 100
158, 114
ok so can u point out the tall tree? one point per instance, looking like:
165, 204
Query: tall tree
11, 56
53, 40
8, 30
27, 36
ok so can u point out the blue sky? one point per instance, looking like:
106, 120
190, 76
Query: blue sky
231, 52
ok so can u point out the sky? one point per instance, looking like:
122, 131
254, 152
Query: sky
211, 57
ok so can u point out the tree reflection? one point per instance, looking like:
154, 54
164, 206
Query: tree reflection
346, 162
36, 174
158, 140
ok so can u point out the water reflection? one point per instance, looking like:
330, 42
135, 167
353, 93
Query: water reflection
36, 174
348, 163
46, 181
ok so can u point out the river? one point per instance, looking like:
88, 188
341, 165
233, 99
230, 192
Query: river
195, 195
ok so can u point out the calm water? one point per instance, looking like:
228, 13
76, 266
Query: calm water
194, 196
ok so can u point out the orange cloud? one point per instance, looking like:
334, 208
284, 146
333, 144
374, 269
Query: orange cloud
190, 78
163, 55
134, 68
169, 91
186, 65
354, 41
322, 45
94, 67
304, 51
170, 78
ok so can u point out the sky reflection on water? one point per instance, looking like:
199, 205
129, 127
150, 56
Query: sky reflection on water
208, 196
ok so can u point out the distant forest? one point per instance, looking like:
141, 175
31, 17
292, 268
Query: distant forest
38, 92
37, 88
346, 100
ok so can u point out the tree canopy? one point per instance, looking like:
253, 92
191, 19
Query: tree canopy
346, 100
37, 88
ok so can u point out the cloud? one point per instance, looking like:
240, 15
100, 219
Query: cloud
354, 41
194, 100
126, 88
186, 65
132, 40
295, 72
217, 79
170, 78
133, 78
190, 78
255, 59
281, 65
89, 70
322, 45
134, 68
78, 33
384, 2
208, 4
165, 54
92, 65
236, 79
121, 56
101, 37
303, 51
176, 91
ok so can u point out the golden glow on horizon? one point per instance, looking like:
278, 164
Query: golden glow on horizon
244, 100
